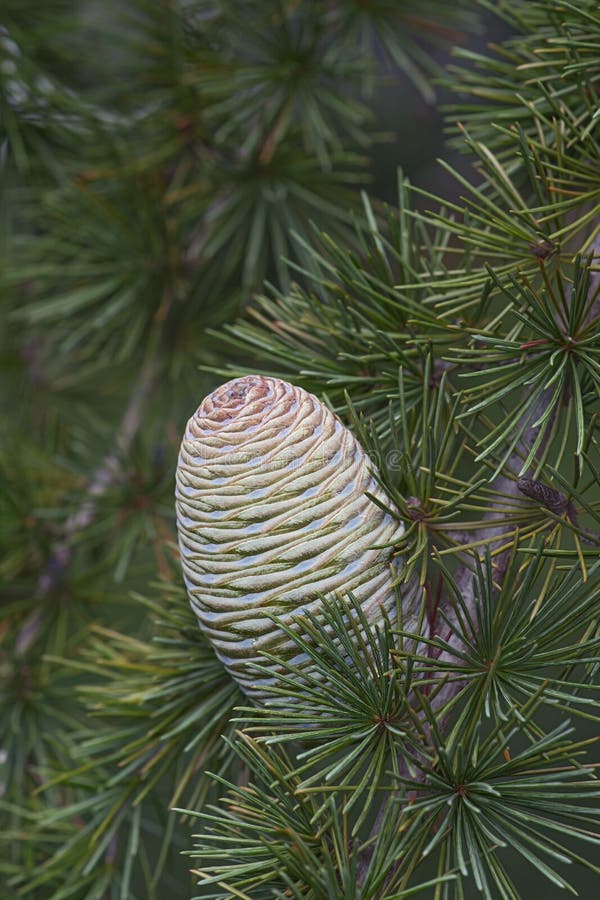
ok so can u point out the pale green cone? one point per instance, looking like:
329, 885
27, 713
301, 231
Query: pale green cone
272, 512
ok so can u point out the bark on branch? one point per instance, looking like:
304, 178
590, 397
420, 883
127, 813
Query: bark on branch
510, 486
105, 476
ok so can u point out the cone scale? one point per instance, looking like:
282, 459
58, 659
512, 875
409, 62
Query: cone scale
272, 514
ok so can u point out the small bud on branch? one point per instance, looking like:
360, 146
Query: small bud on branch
546, 496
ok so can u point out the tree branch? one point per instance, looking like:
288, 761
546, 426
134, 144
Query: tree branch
510, 486
105, 476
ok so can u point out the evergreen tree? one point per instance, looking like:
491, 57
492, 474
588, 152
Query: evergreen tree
159, 161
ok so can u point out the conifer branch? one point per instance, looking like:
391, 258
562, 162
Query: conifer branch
508, 486
460, 345
104, 477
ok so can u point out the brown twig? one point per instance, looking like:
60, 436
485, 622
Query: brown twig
106, 475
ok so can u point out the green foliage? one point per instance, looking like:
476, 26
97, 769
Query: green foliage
158, 161
540, 619
303, 825
157, 708
544, 79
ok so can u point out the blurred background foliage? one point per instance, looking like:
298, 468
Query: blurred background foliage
159, 161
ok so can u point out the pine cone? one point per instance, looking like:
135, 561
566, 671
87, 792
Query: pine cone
272, 513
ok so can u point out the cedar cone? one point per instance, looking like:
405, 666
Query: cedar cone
271, 515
